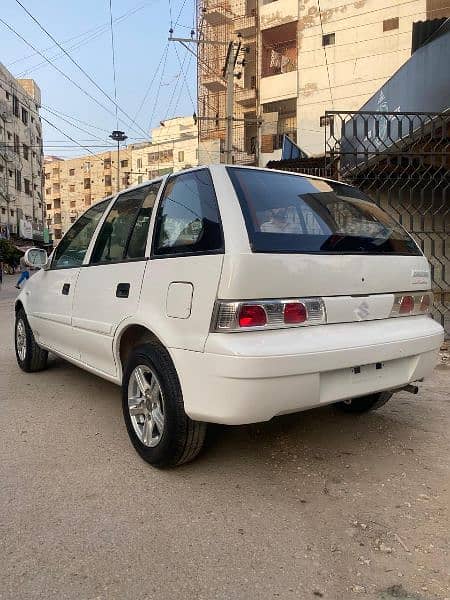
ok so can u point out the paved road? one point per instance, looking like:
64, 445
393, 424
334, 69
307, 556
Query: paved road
311, 505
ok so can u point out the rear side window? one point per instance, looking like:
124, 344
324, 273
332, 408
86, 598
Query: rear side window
290, 213
123, 235
188, 220
72, 248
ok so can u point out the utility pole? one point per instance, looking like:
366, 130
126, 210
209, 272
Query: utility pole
118, 136
228, 72
234, 48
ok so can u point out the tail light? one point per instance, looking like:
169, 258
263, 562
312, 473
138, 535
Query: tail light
267, 314
408, 304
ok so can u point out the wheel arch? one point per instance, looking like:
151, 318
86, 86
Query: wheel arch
130, 336
18, 306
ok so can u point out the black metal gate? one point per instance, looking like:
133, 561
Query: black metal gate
401, 160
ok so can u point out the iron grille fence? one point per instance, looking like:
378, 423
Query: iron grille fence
401, 160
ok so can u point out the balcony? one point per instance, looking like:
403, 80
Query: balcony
217, 15
273, 14
246, 97
245, 25
278, 87
214, 83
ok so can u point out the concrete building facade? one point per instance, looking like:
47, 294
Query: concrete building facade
21, 199
173, 146
306, 57
74, 184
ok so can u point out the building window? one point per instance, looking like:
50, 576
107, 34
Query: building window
49, 207
16, 144
47, 176
107, 180
124, 164
87, 183
279, 50
8, 96
71, 172
24, 116
56, 187
26, 150
87, 200
72, 203
328, 39
18, 180
125, 181
73, 219
181, 156
139, 163
390, 24
72, 187
57, 234
139, 179
57, 203
107, 163
48, 191
27, 187
55, 172
15, 105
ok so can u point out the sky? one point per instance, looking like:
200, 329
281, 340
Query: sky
151, 85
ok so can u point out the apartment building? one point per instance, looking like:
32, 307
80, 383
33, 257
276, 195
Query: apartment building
74, 184
21, 197
306, 57
173, 146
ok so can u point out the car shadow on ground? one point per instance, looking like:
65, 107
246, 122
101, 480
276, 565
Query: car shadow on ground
321, 436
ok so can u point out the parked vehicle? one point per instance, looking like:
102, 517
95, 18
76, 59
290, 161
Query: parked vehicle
231, 295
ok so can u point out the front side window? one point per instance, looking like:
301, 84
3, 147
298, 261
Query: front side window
290, 213
188, 220
123, 235
73, 247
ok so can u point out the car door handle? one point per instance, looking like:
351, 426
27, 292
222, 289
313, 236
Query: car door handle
123, 290
65, 289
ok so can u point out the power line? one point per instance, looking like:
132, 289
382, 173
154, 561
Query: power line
159, 87
164, 53
113, 53
93, 35
67, 135
55, 67
72, 60
72, 124
89, 32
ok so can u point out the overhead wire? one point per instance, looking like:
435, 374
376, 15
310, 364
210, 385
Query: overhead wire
113, 54
159, 87
67, 135
72, 60
93, 35
57, 68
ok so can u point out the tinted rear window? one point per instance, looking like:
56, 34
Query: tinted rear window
290, 213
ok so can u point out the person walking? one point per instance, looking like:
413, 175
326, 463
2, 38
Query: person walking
24, 273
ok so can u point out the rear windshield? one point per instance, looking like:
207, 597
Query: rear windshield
290, 213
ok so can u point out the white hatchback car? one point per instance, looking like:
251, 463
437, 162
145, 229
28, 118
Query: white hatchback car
231, 295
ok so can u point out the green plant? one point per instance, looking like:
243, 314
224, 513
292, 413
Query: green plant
10, 254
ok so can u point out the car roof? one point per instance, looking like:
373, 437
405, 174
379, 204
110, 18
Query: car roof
219, 166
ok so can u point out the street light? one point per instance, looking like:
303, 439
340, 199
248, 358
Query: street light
118, 136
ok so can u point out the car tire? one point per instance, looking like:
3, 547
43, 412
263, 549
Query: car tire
157, 424
364, 403
30, 356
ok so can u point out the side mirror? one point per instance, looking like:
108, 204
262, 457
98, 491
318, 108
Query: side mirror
36, 258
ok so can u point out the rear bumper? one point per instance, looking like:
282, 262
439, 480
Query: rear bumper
254, 376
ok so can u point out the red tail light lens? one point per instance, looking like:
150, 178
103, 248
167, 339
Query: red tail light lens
294, 313
252, 315
407, 305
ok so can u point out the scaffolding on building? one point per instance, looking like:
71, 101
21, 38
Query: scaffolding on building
222, 21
